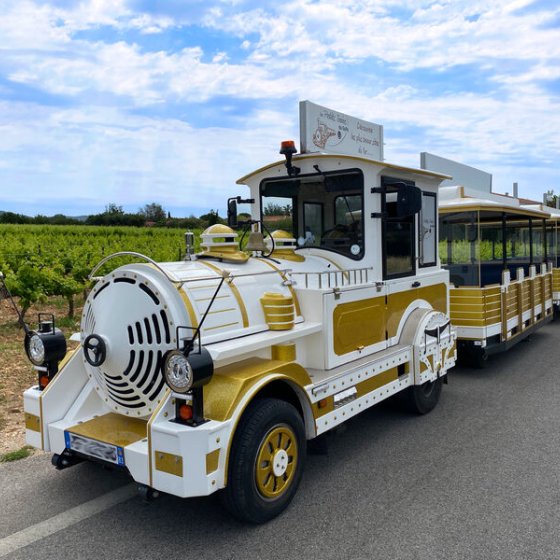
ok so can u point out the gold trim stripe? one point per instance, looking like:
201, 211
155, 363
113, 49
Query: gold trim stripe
190, 308
221, 326
112, 428
32, 422
234, 291
149, 434
212, 461
169, 463
289, 286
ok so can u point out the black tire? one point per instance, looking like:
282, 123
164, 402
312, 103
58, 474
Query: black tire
477, 358
269, 429
421, 399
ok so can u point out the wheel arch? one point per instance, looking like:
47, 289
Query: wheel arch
276, 386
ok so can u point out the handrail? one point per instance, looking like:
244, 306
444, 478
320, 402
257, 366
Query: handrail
130, 254
225, 273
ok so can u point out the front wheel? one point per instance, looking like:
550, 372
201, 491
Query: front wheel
424, 398
266, 462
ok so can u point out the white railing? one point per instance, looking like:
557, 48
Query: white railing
334, 278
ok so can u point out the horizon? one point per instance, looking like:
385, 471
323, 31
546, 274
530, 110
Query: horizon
128, 103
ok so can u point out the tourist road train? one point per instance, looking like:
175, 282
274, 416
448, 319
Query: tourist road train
212, 374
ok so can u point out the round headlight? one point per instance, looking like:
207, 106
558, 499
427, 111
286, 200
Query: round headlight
36, 350
177, 371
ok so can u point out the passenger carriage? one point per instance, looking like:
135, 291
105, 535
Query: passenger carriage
502, 280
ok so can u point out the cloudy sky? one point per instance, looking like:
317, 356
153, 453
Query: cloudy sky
135, 101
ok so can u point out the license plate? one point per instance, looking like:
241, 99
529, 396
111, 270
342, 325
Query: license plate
93, 448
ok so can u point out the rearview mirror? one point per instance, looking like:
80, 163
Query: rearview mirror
409, 200
232, 213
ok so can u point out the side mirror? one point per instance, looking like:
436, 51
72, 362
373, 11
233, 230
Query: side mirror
409, 200
232, 213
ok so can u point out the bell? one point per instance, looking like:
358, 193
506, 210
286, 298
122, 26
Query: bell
256, 242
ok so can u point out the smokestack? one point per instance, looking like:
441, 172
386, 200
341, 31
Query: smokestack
515, 191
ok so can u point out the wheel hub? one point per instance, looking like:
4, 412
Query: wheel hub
280, 463
276, 461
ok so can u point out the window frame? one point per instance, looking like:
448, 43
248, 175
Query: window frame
421, 262
386, 182
338, 172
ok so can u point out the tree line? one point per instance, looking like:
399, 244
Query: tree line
152, 214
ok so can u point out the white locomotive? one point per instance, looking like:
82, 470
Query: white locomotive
212, 373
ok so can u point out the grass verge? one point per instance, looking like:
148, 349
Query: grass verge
22, 453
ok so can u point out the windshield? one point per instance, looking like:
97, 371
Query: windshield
322, 210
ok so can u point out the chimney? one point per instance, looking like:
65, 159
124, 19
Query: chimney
515, 191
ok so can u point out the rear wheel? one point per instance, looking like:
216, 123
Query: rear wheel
479, 358
424, 398
266, 462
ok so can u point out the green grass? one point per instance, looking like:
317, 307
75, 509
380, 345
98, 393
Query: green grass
22, 453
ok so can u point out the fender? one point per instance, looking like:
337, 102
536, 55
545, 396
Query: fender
233, 388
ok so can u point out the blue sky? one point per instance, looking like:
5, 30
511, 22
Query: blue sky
118, 101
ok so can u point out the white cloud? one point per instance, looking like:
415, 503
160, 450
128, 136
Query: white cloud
300, 49
100, 155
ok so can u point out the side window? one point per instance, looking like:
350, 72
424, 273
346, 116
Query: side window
398, 235
428, 233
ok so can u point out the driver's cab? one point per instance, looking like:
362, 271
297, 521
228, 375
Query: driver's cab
357, 212
364, 254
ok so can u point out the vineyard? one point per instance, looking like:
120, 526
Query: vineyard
43, 261
46, 269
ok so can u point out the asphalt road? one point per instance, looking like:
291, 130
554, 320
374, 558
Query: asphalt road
476, 478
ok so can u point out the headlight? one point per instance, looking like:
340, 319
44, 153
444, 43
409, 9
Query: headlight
183, 373
36, 350
177, 371
45, 346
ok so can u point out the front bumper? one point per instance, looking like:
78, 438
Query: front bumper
178, 459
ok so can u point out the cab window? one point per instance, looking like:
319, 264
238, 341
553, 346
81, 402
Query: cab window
321, 210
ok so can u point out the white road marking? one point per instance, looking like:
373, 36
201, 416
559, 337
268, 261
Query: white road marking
65, 519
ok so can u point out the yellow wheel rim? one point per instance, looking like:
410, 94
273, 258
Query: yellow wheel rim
276, 462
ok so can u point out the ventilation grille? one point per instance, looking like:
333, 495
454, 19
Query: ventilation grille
137, 326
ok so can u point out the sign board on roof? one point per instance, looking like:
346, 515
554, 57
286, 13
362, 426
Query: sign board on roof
462, 174
328, 131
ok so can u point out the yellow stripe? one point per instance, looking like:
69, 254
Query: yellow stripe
32, 422
289, 286
41, 414
212, 461
381, 379
150, 422
209, 298
221, 326
234, 291
169, 463
190, 308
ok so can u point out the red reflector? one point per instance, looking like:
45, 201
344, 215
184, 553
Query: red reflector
322, 403
43, 381
185, 412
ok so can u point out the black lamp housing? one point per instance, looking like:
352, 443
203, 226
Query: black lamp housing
54, 344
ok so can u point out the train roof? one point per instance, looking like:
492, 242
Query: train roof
464, 199
360, 160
